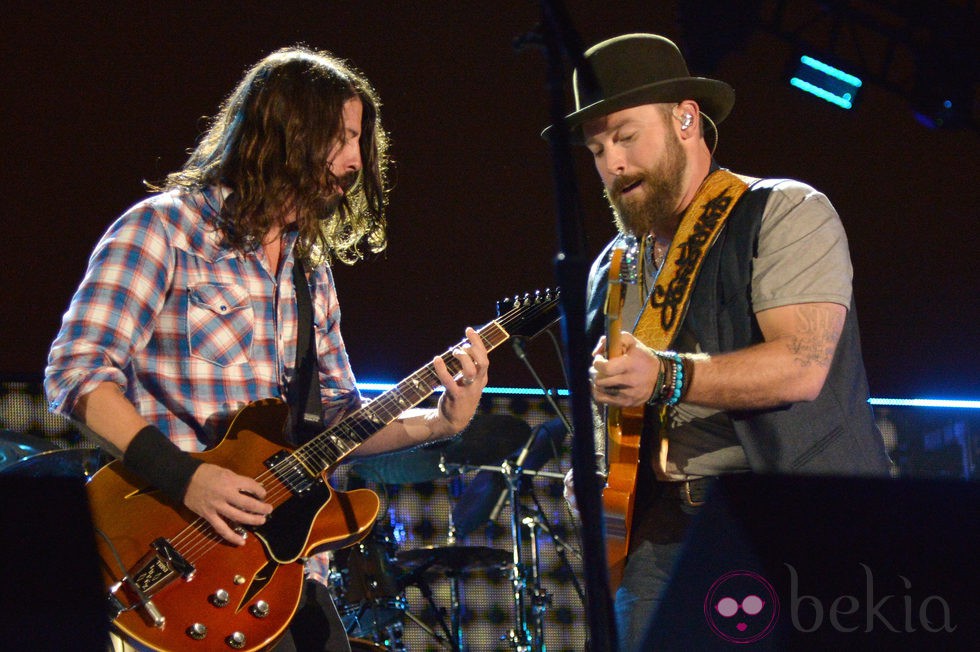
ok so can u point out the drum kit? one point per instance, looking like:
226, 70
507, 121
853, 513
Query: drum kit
371, 577
369, 580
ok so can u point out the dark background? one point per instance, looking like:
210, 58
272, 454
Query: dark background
97, 100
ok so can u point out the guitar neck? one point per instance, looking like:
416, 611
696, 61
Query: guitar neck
337, 442
615, 296
527, 316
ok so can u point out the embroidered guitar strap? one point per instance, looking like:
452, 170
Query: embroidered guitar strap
668, 301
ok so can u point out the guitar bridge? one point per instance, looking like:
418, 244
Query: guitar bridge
159, 567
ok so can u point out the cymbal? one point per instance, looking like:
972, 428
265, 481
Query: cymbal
453, 559
488, 488
15, 446
64, 463
488, 439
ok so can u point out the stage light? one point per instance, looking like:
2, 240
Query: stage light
958, 404
378, 387
942, 101
826, 82
372, 387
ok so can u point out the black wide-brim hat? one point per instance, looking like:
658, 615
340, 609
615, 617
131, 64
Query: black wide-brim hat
635, 69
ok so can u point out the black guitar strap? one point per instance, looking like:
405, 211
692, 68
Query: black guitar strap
305, 410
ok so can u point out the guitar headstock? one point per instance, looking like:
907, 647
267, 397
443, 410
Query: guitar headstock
528, 314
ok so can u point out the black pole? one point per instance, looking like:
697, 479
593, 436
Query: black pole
571, 265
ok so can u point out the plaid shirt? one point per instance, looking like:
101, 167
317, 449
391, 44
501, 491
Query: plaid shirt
190, 329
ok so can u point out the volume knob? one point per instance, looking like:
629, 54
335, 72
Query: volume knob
236, 640
219, 598
197, 631
260, 609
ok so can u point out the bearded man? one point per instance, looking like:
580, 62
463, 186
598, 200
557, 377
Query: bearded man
743, 352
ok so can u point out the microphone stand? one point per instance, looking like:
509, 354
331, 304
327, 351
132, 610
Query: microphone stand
517, 343
558, 36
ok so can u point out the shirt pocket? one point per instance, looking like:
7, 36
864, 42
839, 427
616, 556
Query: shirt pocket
219, 323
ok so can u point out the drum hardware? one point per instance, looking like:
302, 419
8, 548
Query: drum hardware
417, 579
366, 592
521, 637
427, 594
545, 441
540, 598
537, 450
452, 561
497, 482
562, 548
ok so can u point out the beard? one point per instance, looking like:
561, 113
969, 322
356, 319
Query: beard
663, 186
330, 204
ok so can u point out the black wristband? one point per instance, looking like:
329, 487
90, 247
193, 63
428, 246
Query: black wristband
158, 460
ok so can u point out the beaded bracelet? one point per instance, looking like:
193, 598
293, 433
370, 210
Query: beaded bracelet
670, 380
678, 384
688, 375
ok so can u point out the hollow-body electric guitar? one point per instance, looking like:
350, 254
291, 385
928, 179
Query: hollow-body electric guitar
623, 426
173, 584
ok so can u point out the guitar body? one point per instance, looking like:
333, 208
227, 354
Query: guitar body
263, 579
623, 430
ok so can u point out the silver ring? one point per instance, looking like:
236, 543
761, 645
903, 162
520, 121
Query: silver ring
466, 381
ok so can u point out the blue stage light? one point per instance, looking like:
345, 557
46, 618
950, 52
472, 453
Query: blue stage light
927, 402
376, 387
826, 82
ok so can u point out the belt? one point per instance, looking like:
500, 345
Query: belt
693, 492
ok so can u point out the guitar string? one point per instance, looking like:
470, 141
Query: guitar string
201, 538
282, 490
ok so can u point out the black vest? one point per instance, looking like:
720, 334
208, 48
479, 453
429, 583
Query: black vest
833, 434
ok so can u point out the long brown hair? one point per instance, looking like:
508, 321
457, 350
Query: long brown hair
270, 143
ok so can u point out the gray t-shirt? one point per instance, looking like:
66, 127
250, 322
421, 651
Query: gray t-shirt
802, 258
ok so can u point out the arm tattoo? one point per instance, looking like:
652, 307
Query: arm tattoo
816, 338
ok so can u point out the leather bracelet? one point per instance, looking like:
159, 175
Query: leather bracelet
658, 385
156, 459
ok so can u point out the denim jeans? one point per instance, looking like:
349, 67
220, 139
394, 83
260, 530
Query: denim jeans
659, 525
316, 626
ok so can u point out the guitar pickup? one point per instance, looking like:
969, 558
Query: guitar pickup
289, 470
